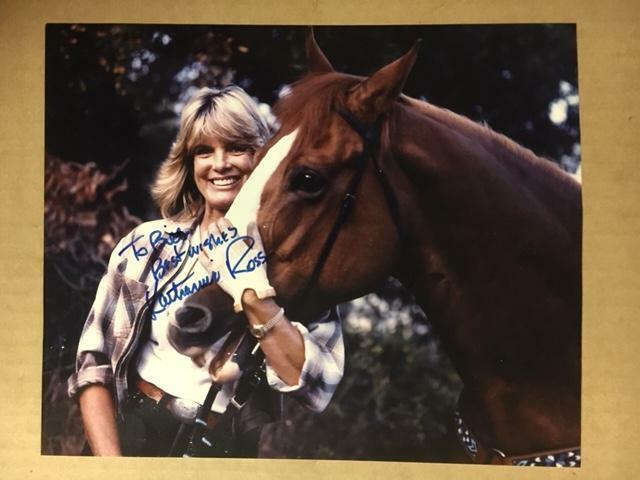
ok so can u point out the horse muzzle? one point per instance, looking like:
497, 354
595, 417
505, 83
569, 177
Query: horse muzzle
205, 317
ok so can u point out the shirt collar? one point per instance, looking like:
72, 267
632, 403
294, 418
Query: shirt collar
173, 226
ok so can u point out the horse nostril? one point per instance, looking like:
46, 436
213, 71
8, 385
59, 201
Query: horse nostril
192, 319
189, 332
205, 318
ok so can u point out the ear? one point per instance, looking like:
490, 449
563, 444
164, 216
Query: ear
317, 60
375, 95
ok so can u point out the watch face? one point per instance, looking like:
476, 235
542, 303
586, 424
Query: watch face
257, 332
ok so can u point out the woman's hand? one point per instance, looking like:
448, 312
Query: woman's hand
283, 345
240, 262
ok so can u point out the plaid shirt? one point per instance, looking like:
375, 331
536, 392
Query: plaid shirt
120, 319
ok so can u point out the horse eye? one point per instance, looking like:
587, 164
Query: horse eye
308, 182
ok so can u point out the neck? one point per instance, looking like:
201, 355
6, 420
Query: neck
209, 216
498, 273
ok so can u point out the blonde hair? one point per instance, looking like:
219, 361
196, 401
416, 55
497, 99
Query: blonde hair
228, 114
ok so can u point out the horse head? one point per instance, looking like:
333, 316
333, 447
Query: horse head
327, 185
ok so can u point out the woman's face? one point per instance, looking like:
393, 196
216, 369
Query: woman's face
219, 170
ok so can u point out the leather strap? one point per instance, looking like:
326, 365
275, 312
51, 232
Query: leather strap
151, 391
163, 399
370, 138
220, 439
481, 454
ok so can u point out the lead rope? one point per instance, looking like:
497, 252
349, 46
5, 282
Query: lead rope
216, 441
219, 441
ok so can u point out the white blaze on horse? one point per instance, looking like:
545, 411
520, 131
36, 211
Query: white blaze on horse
362, 183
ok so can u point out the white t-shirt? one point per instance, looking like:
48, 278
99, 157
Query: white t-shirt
162, 365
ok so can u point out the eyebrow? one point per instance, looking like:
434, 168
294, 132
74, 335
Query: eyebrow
201, 147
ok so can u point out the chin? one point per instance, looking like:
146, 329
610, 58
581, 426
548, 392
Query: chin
222, 203
220, 200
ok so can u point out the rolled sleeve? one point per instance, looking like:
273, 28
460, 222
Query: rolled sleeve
101, 374
93, 363
323, 363
97, 340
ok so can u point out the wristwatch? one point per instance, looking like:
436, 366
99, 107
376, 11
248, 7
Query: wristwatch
260, 331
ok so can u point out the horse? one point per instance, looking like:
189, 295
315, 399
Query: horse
364, 183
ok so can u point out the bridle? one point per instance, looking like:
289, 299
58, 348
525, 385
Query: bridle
370, 134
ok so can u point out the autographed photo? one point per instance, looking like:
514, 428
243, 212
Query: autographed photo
352, 243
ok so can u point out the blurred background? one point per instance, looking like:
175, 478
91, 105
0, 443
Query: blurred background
113, 94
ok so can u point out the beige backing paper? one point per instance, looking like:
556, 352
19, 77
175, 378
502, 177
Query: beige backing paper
609, 76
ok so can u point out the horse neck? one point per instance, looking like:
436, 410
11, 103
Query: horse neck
495, 263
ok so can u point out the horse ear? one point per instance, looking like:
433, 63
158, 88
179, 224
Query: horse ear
318, 62
370, 98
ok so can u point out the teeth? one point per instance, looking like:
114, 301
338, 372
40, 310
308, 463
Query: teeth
221, 182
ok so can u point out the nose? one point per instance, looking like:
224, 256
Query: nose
220, 159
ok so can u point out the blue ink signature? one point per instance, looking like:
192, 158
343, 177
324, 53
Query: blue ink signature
161, 266
156, 239
137, 252
178, 291
239, 265
212, 241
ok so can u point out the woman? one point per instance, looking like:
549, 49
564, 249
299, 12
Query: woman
126, 368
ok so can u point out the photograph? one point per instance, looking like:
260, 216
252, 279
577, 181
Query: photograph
335, 242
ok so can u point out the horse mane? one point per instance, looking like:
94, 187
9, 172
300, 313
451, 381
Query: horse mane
500, 145
315, 98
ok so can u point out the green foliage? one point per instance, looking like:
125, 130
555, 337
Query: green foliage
397, 396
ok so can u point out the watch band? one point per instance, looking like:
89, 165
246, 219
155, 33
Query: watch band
260, 331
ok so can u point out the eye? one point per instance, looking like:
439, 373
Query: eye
307, 182
201, 151
238, 149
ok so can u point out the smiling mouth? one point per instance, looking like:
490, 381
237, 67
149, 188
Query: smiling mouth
225, 182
